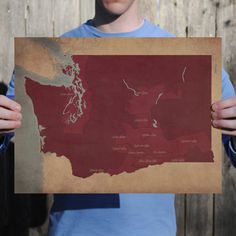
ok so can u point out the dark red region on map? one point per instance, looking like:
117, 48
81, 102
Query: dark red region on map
124, 113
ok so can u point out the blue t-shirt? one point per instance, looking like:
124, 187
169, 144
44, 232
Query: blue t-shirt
118, 214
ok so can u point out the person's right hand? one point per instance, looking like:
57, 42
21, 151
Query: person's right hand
10, 115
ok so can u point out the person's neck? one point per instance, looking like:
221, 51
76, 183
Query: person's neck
126, 22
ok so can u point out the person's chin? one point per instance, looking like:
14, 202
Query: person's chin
115, 9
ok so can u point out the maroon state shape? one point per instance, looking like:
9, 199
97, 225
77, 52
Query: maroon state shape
123, 113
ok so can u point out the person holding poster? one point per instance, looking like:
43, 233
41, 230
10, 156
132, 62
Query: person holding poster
119, 214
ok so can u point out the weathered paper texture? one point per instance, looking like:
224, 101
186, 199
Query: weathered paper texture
117, 115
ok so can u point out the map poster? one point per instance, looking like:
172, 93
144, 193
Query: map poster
117, 115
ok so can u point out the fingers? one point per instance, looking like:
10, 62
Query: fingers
9, 115
228, 132
5, 131
224, 116
9, 124
224, 124
9, 104
224, 104
225, 113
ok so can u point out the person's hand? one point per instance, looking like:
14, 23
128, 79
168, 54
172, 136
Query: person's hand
10, 115
224, 116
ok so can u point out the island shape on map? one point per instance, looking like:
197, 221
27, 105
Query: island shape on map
123, 113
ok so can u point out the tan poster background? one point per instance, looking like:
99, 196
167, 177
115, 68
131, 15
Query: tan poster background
37, 172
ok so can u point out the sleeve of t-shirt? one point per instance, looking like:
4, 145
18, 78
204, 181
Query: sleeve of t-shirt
7, 137
227, 92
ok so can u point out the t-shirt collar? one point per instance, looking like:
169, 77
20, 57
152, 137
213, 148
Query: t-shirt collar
134, 33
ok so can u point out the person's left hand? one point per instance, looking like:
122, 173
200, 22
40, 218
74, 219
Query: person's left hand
224, 115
